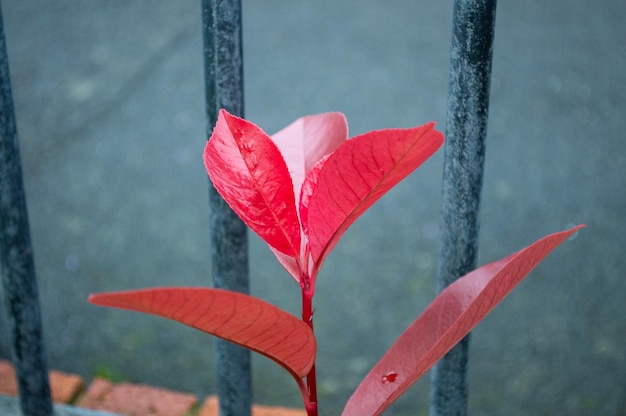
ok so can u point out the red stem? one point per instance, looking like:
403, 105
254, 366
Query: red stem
311, 382
307, 316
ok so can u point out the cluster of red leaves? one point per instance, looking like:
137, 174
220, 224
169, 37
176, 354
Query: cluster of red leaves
300, 190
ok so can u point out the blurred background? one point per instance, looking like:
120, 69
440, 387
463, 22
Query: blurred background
110, 110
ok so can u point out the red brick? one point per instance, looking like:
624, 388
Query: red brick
64, 387
136, 399
8, 385
128, 399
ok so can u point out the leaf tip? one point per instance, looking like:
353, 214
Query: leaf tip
572, 232
94, 298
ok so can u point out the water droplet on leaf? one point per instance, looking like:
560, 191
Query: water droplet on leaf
389, 377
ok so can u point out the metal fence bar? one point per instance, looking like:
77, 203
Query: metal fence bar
466, 129
16, 261
223, 62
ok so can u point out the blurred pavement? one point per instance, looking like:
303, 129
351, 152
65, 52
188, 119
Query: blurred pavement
109, 102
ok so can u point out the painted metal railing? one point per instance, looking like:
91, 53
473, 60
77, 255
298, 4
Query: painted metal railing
223, 63
466, 129
468, 102
16, 261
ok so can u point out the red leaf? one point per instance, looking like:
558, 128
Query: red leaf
308, 188
450, 317
356, 175
248, 171
242, 319
307, 140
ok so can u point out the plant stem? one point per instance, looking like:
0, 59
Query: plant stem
307, 316
311, 382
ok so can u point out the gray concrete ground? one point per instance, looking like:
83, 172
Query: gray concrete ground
109, 104
9, 406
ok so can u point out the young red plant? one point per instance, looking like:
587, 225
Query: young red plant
300, 190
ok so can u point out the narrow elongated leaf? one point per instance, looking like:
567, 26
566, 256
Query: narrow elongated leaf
450, 317
242, 319
248, 171
356, 175
308, 139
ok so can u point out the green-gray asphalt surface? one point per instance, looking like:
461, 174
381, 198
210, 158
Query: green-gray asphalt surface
110, 111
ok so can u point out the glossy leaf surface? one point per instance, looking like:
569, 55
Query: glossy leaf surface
450, 317
241, 319
249, 172
355, 176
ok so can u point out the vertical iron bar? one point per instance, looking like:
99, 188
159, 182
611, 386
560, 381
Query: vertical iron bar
16, 261
223, 62
466, 129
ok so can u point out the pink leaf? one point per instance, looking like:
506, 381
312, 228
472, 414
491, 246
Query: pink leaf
249, 172
290, 264
356, 175
450, 317
308, 139
239, 318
